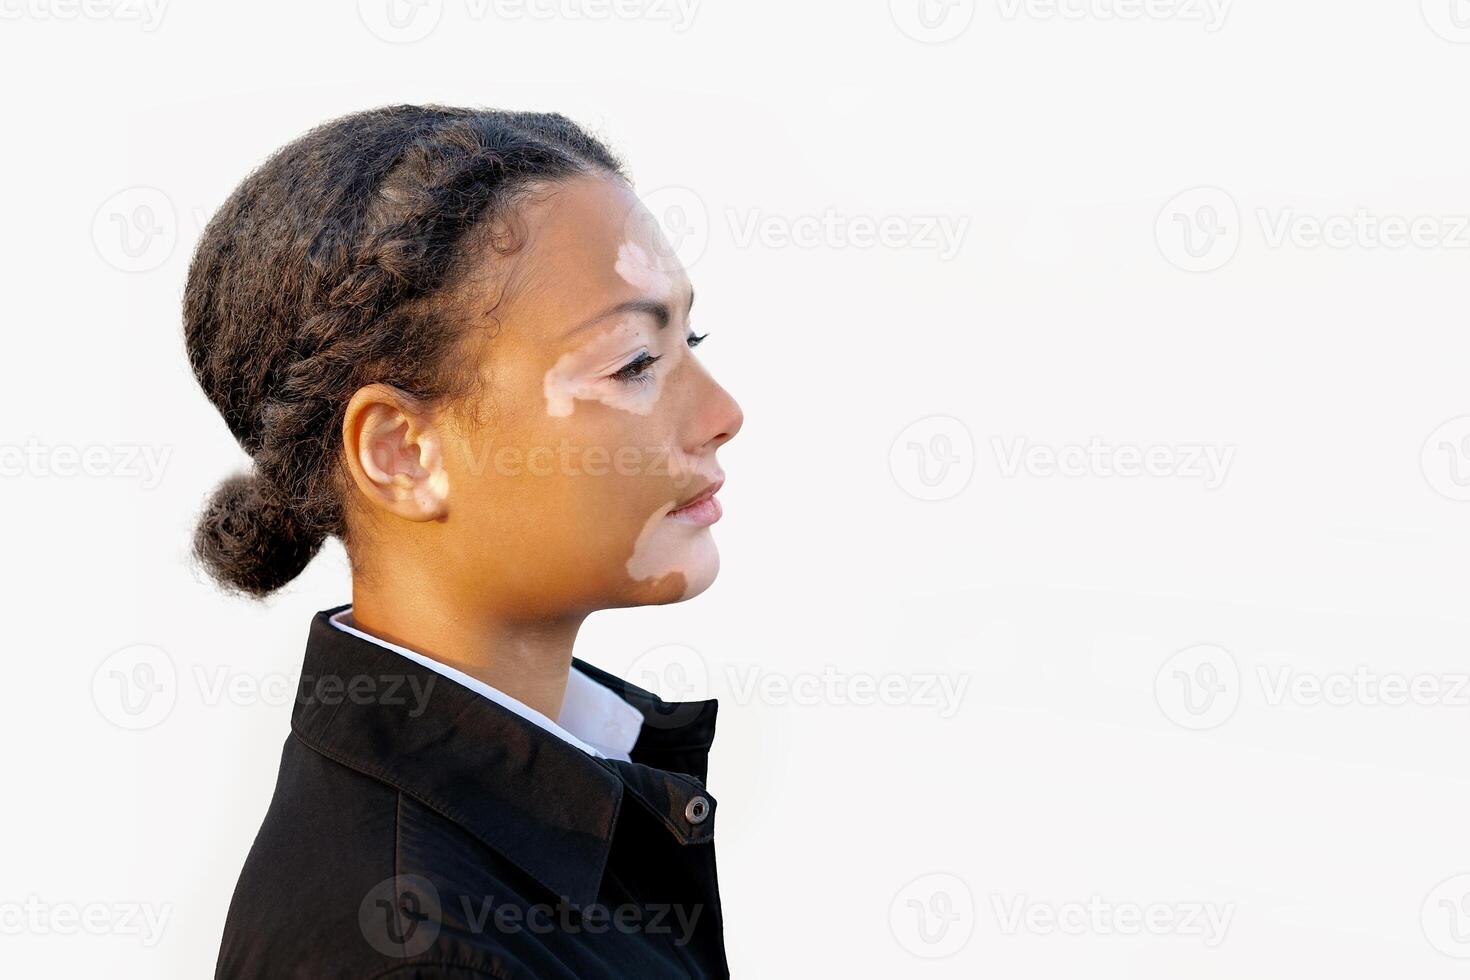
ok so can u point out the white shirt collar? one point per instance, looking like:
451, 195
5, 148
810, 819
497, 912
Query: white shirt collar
592, 718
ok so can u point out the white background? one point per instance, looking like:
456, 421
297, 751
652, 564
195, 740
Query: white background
1138, 189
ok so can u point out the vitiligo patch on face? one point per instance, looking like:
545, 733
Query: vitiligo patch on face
657, 554
641, 269
575, 375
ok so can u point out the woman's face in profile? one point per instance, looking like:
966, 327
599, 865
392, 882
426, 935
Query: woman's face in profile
597, 421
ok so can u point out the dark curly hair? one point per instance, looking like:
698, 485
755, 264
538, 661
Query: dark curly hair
338, 263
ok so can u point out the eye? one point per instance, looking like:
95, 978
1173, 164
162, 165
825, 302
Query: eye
696, 341
636, 370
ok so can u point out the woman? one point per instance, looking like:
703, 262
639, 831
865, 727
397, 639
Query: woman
455, 340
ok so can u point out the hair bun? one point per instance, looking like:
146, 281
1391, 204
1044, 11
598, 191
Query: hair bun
249, 539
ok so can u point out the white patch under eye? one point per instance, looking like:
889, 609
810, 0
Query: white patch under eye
572, 377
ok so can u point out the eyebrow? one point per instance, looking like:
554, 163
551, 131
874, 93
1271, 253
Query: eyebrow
657, 309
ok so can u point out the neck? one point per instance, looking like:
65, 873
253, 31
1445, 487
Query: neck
527, 659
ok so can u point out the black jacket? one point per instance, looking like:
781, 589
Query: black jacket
419, 829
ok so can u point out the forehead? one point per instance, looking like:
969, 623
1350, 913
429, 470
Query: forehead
575, 258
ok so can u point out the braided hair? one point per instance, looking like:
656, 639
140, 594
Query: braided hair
335, 264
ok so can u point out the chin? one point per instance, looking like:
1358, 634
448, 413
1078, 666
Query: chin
696, 571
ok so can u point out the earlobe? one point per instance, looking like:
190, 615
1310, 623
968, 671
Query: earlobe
395, 454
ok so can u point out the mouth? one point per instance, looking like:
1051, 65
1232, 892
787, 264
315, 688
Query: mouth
703, 508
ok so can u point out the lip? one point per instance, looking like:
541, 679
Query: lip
703, 508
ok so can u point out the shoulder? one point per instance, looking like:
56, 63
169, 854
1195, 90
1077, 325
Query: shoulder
348, 877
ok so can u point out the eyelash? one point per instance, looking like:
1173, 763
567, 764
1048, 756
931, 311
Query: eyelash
636, 371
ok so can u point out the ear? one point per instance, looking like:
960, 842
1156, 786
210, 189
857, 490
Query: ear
395, 454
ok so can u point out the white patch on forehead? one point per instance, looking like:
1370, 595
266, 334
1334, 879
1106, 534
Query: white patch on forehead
640, 269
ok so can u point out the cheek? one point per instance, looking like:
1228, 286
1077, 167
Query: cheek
621, 474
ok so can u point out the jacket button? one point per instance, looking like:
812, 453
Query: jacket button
696, 810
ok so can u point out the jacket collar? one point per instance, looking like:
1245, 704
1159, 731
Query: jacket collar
543, 804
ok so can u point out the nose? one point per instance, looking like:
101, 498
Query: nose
721, 417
